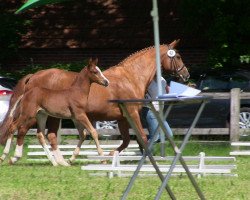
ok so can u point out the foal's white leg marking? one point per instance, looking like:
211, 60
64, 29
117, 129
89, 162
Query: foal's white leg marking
15, 105
82, 135
6, 148
59, 158
42, 141
99, 149
18, 154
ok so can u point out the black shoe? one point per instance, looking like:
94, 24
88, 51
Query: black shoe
157, 141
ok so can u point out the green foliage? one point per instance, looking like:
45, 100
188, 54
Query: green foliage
11, 28
225, 24
30, 69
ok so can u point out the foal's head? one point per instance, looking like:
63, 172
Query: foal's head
172, 62
95, 74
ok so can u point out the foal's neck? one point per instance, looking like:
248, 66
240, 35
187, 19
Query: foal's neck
82, 81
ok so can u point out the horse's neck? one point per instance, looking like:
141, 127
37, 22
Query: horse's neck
82, 82
143, 67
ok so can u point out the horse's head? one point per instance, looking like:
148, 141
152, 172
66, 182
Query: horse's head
95, 74
171, 62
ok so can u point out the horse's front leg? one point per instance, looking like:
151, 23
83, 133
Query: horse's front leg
87, 124
6, 148
41, 122
82, 136
53, 126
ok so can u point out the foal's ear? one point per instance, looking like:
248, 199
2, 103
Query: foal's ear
90, 61
174, 43
96, 61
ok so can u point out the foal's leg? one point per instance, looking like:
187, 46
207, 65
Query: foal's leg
41, 122
53, 125
22, 131
6, 148
82, 135
83, 119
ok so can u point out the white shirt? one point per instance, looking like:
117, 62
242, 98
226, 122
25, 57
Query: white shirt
152, 91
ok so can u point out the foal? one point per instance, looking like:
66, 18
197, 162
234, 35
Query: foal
71, 103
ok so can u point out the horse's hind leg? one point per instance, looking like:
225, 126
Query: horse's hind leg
41, 122
6, 148
82, 135
22, 131
124, 129
53, 125
12, 128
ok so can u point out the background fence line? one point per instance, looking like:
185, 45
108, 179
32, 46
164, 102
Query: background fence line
233, 131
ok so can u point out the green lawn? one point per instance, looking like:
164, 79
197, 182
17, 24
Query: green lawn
29, 181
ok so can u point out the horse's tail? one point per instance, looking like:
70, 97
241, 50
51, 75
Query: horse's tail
5, 130
14, 100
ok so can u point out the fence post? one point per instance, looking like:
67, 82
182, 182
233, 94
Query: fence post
234, 114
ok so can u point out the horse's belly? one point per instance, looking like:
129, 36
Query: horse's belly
58, 113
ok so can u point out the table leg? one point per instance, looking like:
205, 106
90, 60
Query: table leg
146, 153
178, 152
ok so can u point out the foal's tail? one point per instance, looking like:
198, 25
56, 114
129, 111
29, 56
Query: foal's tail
6, 131
14, 101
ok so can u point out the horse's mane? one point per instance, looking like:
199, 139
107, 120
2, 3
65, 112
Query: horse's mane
136, 54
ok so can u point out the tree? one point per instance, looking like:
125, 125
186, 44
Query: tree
12, 27
225, 24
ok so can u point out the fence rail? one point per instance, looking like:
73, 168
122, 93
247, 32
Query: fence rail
233, 131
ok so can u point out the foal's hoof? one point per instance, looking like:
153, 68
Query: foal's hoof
105, 162
12, 160
69, 162
1, 161
54, 163
64, 163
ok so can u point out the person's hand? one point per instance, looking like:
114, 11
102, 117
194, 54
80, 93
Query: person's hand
167, 89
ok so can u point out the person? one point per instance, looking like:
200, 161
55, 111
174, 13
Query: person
147, 116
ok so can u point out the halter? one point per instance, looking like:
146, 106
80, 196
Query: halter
171, 53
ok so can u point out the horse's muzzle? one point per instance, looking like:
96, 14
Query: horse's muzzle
106, 83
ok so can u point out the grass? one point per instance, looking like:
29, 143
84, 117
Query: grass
29, 181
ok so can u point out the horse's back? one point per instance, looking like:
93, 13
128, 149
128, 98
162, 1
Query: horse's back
52, 79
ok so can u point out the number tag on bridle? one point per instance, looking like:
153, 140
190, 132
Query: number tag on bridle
171, 53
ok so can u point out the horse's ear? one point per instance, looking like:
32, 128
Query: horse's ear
90, 60
174, 43
96, 61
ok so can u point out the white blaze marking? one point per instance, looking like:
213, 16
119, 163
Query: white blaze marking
102, 75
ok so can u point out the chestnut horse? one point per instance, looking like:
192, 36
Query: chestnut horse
69, 103
128, 80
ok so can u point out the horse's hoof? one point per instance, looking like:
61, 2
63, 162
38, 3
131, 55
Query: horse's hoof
105, 162
111, 153
54, 164
69, 161
2, 158
64, 163
1, 161
12, 161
